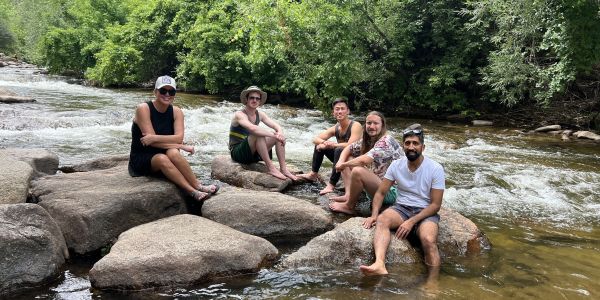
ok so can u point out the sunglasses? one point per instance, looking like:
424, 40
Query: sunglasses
254, 98
164, 91
412, 131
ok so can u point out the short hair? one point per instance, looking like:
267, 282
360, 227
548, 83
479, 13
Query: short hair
339, 100
414, 130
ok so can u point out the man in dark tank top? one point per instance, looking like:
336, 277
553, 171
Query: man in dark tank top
345, 131
249, 143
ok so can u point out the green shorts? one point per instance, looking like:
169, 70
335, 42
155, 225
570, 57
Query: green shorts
242, 153
390, 197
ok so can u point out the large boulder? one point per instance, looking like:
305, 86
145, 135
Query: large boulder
8, 96
32, 247
350, 243
266, 214
42, 161
252, 176
182, 249
14, 179
93, 208
101, 163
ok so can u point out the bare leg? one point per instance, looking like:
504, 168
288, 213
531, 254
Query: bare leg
280, 152
360, 178
259, 144
161, 162
183, 166
389, 219
428, 233
346, 173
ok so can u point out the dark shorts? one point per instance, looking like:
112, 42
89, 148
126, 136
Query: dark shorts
242, 153
407, 212
140, 164
390, 197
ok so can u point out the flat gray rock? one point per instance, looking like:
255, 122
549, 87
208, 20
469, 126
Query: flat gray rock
350, 243
547, 128
266, 214
93, 208
102, 163
14, 179
42, 161
587, 135
253, 176
179, 250
32, 247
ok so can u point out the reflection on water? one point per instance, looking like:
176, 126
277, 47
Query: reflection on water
535, 196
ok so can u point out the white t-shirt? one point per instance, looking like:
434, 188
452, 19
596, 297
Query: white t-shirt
414, 189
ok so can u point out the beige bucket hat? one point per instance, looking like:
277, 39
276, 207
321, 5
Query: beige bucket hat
253, 88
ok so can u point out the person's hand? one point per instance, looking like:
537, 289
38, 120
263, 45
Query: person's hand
148, 139
404, 229
321, 146
280, 137
328, 144
369, 222
340, 166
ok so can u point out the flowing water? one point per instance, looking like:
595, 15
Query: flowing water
536, 198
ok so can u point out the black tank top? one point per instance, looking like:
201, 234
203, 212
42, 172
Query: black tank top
347, 134
163, 124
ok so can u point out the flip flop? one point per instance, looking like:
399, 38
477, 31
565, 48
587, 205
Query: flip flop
210, 189
200, 195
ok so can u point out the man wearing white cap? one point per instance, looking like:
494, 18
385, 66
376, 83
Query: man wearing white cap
249, 143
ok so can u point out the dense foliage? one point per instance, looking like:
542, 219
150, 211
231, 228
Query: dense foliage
443, 55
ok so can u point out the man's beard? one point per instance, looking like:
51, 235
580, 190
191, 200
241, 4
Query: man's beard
413, 155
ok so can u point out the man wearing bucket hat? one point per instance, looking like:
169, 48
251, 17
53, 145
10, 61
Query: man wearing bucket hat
249, 143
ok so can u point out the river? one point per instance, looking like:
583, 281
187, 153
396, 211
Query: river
535, 197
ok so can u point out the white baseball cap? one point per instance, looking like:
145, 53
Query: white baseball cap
165, 80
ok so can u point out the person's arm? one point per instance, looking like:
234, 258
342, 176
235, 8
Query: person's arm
430, 210
382, 190
355, 135
149, 137
278, 134
322, 140
343, 158
362, 160
254, 129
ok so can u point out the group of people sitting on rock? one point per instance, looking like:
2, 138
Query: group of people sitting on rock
369, 159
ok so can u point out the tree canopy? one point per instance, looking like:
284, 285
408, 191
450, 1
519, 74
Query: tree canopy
441, 55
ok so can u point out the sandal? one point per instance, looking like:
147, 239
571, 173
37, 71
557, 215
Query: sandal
211, 189
199, 195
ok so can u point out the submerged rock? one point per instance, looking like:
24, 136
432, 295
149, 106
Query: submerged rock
482, 123
350, 243
587, 135
252, 176
182, 249
32, 247
266, 214
93, 208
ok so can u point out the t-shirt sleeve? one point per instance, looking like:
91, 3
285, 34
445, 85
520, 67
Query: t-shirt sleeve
381, 149
389, 174
439, 178
355, 148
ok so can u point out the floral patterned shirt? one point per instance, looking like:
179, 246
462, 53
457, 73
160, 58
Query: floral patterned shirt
383, 153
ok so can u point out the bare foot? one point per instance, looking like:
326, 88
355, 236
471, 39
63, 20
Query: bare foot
328, 189
373, 269
312, 176
275, 173
290, 175
341, 207
189, 149
341, 198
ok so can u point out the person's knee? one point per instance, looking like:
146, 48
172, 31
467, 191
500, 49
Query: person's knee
384, 221
173, 154
161, 161
429, 242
